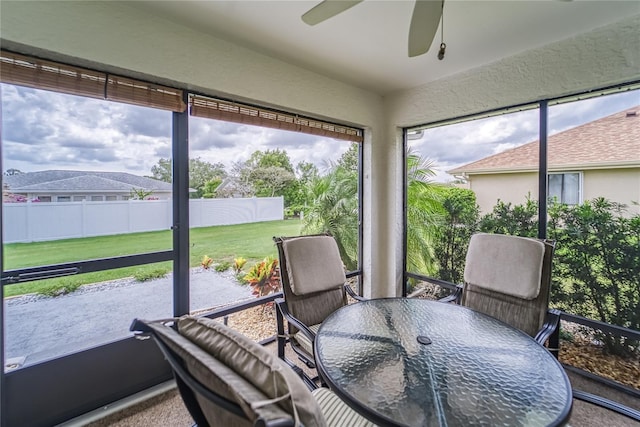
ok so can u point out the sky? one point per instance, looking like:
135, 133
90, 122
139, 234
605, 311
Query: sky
45, 130
455, 145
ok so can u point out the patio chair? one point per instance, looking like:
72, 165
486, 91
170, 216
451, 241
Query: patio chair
227, 379
314, 286
509, 277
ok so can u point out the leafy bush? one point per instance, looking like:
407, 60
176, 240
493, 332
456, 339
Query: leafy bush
60, 289
238, 263
146, 275
206, 262
459, 223
518, 220
222, 266
597, 266
264, 277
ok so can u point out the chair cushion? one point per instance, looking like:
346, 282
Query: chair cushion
336, 412
508, 264
255, 364
304, 342
219, 378
313, 264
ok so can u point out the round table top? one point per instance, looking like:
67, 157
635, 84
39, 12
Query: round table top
414, 362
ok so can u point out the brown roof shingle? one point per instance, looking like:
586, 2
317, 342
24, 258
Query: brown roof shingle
609, 141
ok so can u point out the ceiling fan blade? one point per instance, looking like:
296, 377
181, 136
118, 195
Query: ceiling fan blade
424, 24
327, 9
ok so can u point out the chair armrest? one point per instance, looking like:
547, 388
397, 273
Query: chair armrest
551, 324
352, 294
282, 306
454, 297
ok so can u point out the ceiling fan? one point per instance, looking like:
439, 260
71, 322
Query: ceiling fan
424, 20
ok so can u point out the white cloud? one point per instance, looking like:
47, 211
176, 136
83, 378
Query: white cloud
46, 130
456, 145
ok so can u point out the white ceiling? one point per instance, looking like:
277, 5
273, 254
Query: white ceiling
367, 44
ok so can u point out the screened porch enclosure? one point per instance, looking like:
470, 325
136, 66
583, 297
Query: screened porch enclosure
115, 46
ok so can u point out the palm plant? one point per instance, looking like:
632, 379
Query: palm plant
424, 214
335, 210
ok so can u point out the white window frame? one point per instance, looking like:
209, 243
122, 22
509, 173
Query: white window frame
580, 185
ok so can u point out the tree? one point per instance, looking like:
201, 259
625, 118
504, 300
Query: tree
162, 171
237, 183
350, 159
270, 158
200, 172
270, 181
270, 173
11, 172
209, 189
297, 193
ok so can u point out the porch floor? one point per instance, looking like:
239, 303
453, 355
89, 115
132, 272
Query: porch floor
167, 410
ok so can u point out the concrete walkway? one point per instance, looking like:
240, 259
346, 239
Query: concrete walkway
40, 328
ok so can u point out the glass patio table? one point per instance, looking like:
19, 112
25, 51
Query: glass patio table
414, 362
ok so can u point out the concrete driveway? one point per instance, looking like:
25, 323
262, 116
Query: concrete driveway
39, 328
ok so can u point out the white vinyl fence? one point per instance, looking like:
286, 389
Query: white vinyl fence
34, 222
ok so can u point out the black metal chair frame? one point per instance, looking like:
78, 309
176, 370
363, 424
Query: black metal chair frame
283, 313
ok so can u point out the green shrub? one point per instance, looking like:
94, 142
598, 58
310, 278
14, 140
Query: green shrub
238, 263
459, 223
596, 270
59, 289
145, 275
222, 266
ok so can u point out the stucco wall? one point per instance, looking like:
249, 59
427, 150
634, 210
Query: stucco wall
509, 188
617, 185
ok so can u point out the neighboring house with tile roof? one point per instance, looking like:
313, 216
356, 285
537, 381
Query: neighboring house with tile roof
68, 186
598, 159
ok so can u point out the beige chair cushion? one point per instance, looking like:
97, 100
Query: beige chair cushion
255, 364
218, 377
507, 264
336, 412
313, 264
305, 342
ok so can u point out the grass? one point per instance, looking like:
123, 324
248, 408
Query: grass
222, 243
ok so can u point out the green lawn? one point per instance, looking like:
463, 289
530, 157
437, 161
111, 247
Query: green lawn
222, 243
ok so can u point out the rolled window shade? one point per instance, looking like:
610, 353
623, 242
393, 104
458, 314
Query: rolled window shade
40, 74
48, 75
247, 114
137, 92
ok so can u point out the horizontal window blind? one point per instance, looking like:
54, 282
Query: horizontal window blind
48, 75
122, 89
246, 114
36, 73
